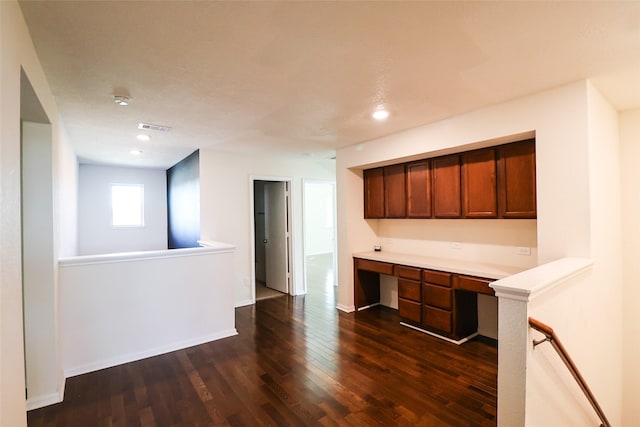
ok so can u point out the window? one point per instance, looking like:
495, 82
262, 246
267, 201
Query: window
127, 205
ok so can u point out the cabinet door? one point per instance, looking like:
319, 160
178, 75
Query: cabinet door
409, 310
409, 289
437, 296
395, 195
419, 189
435, 318
373, 193
479, 189
517, 180
446, 187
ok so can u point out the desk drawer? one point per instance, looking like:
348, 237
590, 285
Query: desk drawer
437, 296
409, 289
409, 310
376, 266
409, 272
436, 318
437, 278
474, 284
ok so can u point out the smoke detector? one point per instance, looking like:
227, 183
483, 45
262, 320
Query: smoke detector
121, 100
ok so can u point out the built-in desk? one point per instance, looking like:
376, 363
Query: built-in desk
435, 295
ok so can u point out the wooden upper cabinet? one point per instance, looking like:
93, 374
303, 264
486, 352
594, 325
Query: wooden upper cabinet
373, 193
446, 187
517, 180
494, 182
479, 189
395, 192
419, 189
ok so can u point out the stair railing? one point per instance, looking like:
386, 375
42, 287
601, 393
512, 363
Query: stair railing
550, 336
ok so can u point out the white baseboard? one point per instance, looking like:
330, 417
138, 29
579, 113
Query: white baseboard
131, 357
433, 334
319, 254
244, 303
46, 400
346, 308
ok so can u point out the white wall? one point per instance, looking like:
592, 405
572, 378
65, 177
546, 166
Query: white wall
587, 312
95, 233
226, 206
40, 312
119, 308
630, 155
570, 211
319, 218
558, 119
16, 51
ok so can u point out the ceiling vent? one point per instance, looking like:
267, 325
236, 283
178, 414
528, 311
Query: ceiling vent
149, 126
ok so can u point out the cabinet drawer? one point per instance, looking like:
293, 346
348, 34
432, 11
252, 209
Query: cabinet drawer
437, 319
377, 266
409, 310
437, 296
409, 289
409, 272
474, 284
437, 278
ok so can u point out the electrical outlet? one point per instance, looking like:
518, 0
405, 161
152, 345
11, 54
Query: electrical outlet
456, 245
522, 250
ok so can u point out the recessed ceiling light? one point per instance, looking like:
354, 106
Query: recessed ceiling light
135, 152
121, 100
143, 137
380, 114
149, 126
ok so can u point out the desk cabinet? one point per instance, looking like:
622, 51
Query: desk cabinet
437, 301
437, 310
409, 294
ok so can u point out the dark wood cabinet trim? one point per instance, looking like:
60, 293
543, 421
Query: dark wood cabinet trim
395, 191
517, 180
446, 187
373, 193
479, 184
494, 182
419, 189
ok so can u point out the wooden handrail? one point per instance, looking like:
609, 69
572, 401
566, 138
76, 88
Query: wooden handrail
550, 336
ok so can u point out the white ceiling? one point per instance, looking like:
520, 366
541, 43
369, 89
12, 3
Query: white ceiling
302, 78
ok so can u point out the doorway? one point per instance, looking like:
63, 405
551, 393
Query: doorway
272, 238
319, 228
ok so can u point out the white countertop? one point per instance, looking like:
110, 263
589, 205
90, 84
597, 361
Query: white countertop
471, 268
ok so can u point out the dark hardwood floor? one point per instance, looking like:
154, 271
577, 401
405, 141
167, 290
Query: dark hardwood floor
296, 361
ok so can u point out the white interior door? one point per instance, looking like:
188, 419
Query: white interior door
276, 236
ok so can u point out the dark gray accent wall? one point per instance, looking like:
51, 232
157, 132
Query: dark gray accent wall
183, 203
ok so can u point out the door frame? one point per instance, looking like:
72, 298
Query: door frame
304, 225
252, 233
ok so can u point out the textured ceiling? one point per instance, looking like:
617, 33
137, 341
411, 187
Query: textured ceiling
302, 78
